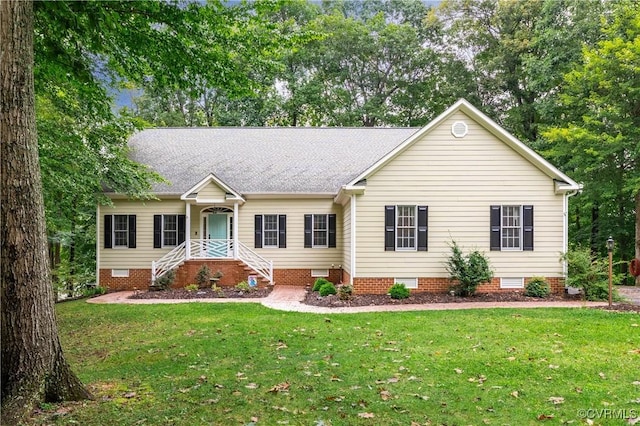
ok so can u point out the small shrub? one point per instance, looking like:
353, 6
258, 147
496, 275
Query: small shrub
319, 283
592, 276
165, 281
399, 291
467, 271
94, 290
243, 286
203, 276
191, 287
345, 291
217, 290
327, 289
537, 287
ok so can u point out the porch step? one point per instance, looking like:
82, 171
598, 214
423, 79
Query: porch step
251, 271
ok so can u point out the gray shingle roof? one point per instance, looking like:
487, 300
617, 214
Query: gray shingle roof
264, 160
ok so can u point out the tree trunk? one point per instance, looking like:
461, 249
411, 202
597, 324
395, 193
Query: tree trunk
33, 365
638, 231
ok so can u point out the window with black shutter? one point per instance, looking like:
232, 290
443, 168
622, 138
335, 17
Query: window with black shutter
511, 227
120, 231
270, 231
320, 230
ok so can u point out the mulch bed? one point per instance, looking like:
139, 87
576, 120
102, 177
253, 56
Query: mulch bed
203, 293
332, 301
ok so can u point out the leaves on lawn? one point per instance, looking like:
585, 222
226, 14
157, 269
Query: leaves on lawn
555, 400
280, 387
366, 415
542, 417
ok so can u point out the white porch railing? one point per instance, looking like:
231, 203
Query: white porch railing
167, 262
212, 249
256, 262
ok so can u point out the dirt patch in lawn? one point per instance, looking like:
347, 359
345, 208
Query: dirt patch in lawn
333, 301
204, 293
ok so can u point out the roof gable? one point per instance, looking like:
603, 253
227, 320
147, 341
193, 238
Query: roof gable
211, 190
565, 183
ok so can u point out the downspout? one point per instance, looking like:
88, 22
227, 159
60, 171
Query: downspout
353, 239
565, 228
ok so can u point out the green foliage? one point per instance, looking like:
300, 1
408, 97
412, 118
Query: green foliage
191, 287
217, 290
203, 276
590, 275
345, 291
469, 271
243, 286
399, 291
537, 287
597, 140
319, 283
165, 281
327, 289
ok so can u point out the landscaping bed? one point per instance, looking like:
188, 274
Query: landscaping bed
204, 293
313, 298
333, 301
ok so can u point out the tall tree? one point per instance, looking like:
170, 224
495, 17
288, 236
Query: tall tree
517, 52
599, 140
33, 363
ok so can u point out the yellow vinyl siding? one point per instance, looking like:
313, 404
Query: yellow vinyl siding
144, 253
459, 179
211, 192
294, 256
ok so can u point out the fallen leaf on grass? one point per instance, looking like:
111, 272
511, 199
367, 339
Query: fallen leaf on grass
555, 400
545, 417
336, 379
130, 395
457, 370
515, 394
366, 415
602, 376
251, 386
385, 395
280, 387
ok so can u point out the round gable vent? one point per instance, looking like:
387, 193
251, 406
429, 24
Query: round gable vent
459, 129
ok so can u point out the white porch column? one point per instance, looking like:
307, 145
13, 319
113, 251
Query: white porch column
187, 236
235, 230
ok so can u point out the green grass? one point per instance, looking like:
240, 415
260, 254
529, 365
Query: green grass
226, 364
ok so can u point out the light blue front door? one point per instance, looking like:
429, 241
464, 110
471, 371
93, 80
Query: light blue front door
217, 224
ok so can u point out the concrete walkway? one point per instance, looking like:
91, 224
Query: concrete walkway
288, 298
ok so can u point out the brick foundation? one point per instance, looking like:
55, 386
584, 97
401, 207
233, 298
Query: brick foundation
440, 285
139, 279
302, 277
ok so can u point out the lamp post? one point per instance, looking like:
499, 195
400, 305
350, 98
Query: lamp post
610, 250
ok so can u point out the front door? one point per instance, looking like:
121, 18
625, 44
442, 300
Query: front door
218, 245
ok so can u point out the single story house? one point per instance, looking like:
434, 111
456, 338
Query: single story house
366, 206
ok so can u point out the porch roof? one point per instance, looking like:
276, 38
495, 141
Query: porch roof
264, 160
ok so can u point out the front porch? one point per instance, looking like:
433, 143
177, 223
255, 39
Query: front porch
213, 250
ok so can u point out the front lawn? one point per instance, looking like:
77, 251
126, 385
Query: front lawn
226, 364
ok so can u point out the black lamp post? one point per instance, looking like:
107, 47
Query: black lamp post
610, 244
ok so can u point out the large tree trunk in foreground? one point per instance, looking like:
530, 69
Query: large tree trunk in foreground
637, 240
33, 365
